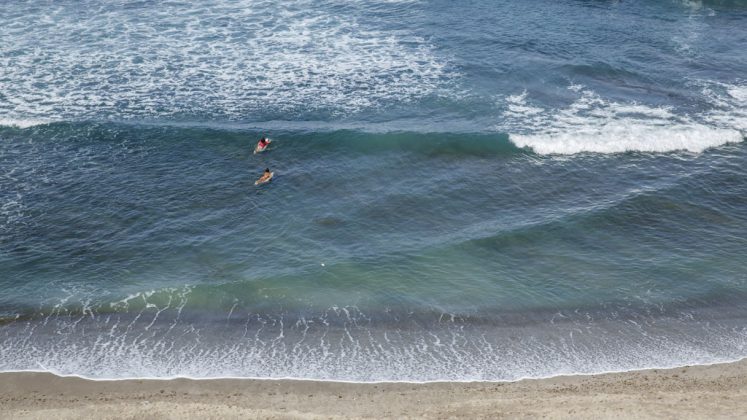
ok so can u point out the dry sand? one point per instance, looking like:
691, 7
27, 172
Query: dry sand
716, 391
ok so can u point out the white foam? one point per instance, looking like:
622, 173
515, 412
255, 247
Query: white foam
153, 346
22, 123
517, 105
738, 92
228, 58
592, 124
625, 136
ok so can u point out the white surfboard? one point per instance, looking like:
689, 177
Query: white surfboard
258, 182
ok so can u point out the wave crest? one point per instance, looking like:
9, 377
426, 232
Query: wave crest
22, 123
594, 125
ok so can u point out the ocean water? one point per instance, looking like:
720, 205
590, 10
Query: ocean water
463, 191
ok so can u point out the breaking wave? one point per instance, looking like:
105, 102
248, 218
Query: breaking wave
593, 124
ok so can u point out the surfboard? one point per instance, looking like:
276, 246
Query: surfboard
258, 149
257, 182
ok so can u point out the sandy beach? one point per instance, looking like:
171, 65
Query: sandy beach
715, 391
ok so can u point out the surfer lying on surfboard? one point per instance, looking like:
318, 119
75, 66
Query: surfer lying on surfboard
262, 145
266, 177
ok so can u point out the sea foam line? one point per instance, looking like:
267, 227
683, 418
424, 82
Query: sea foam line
306, 379
66, 346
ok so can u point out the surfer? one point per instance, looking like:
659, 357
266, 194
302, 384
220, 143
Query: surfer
262, 144
266, 176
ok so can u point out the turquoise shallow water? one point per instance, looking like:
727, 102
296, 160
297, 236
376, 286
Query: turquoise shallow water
462, 192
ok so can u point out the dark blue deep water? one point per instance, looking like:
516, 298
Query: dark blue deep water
464, 190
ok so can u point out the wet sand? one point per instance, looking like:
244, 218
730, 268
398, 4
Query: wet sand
715, 391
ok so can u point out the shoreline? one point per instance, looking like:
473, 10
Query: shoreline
713, 391
374, 382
